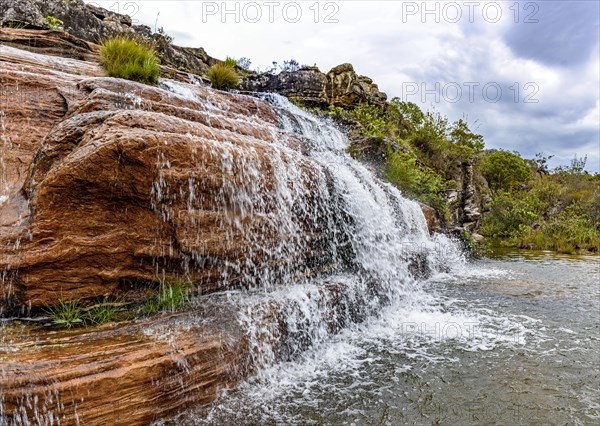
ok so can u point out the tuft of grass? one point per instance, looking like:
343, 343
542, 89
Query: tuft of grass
170, 298
131, 59
230, 62
100, 314
223, 76
54, 23
66, 314
17, 25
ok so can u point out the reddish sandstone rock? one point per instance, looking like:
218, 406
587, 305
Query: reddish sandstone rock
126, 374
432, 219
110, 185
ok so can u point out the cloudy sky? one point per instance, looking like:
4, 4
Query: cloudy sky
525, 74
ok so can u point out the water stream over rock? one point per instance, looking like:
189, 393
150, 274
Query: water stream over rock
119, 185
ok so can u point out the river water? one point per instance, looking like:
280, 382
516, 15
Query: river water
363, 338
509, 340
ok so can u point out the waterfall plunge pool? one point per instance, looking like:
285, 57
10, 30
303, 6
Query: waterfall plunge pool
509, 340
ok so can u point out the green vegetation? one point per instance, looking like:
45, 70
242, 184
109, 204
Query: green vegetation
417, 181
131, 59
507, 170
69, 314
557, 211
101, 314
230, 62
223, 75
54, 23
66, 314
16, 25
170, 298
425, 157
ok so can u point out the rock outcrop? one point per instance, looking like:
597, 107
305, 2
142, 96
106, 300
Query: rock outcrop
307, 85
114, 184
50, 42
92, 24
340, 87
345, 88
468, 201
120, 374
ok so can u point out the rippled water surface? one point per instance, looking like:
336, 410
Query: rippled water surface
509, 340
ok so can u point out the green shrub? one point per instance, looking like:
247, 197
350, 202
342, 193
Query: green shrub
416, 181
569, 231
223, 76
131, 59
230, 62
54, 23
509, 215
505, 170
557, 212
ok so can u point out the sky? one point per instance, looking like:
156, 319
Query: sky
524, 74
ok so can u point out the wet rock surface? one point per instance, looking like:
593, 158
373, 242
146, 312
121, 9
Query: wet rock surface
113, 182
131, 373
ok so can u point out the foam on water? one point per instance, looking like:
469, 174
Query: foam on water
397, 314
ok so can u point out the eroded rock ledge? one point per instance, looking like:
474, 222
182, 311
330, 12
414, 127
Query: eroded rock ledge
341, 86
108, 182
137, 372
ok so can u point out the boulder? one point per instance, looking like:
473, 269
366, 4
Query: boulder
346, 89
431, 217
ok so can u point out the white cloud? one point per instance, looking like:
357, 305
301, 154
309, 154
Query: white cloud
390, 45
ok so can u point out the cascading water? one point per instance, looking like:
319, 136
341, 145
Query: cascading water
369, 236
322, 269
375, 234
323, 324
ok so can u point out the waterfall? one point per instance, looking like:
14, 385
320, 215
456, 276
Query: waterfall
261, 205
370, 236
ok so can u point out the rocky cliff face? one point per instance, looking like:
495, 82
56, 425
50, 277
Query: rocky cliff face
341, 86
114, 183
92, 24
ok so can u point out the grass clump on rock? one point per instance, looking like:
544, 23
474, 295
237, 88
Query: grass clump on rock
66, 314
70, 314
170, 298
223, 75
131, 59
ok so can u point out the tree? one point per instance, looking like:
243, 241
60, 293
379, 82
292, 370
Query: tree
505, 170
460, 134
